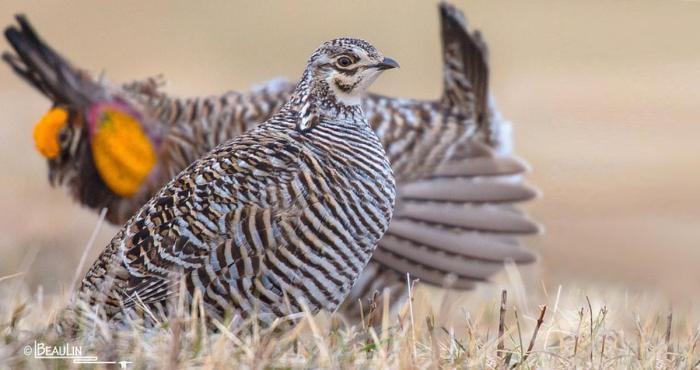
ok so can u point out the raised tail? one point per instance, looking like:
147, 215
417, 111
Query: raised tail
465, 65
46, 70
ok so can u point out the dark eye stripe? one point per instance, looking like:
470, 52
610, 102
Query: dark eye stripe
347, 72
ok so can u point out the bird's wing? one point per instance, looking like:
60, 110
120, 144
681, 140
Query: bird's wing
460, 221
234, 198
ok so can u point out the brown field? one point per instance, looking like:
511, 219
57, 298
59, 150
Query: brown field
604, 97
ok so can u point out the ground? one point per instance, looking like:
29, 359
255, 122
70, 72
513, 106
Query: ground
564, 328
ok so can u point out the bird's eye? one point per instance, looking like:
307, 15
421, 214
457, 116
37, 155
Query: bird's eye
344, 61
63, 136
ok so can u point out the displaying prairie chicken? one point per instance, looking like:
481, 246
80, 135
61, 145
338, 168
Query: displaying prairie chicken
114, 146
283, 216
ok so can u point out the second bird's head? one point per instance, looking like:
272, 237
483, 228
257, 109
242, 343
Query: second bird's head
344, 68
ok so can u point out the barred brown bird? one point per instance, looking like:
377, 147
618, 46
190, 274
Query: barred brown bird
283, 216
457, 181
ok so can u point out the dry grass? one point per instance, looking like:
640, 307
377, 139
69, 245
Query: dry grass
567, 331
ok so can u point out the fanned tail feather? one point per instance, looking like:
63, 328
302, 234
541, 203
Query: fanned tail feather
481, 218
462, 226
461, 190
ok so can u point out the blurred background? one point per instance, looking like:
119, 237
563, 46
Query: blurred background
604, 97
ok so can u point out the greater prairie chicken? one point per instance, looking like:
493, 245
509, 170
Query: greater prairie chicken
115, 146
283, 216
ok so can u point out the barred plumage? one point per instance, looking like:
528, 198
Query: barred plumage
451, 157
283, 216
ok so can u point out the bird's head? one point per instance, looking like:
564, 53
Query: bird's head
341, 70
55, 134
106, 139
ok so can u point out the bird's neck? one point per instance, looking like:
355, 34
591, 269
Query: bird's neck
314, 96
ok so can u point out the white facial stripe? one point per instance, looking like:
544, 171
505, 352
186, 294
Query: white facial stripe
75, 139
360, 82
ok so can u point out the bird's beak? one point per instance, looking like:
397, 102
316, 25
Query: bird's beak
387, 63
